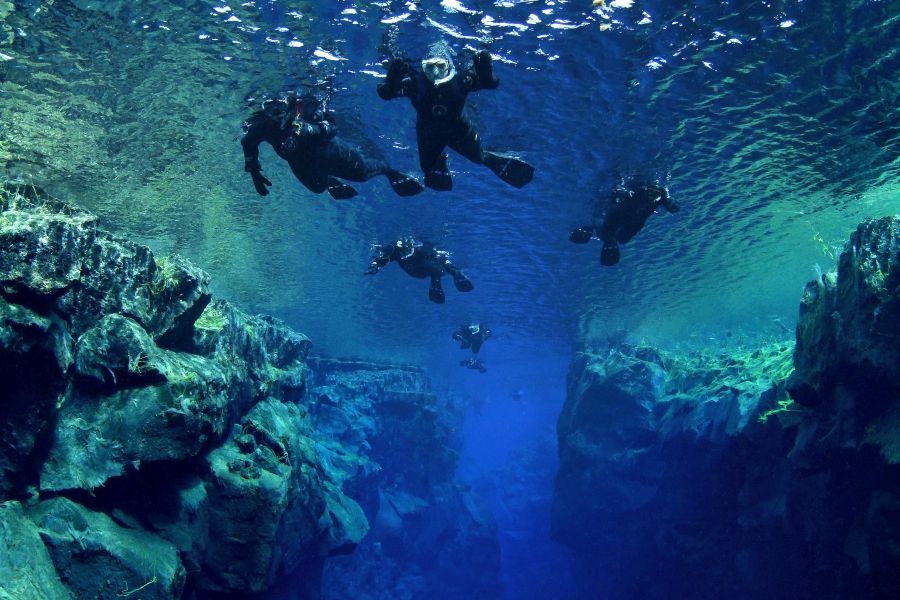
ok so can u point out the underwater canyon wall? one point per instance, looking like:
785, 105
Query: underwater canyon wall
764, 473
398, 443
152, 438
161, 443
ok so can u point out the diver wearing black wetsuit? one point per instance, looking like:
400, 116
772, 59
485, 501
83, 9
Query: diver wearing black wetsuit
438, 93
304, 134
623, 216
421, 260
472, 336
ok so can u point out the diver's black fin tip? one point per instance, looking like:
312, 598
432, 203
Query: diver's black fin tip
404, 185
514, 171
464, 285
341, 191
609, 256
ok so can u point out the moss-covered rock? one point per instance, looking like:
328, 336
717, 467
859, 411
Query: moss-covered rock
271, 507
848, 333
57, 257
97, 558
176, 416
26, 570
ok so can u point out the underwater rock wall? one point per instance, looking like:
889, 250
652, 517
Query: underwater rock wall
734, 475
153, 439
395, 445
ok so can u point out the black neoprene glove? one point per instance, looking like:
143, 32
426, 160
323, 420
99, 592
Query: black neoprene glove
260, 182
484, 68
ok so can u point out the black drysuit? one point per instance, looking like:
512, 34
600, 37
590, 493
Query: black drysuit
441, 118
421, 261
623, 217
308, 142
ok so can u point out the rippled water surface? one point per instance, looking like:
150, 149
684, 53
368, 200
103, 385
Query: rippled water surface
776, 125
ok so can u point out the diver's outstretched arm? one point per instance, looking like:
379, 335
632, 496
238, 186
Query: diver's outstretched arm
255, 130
483, 71
400, 77
670, 205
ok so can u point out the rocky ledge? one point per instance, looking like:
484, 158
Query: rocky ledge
766, 473
153, 439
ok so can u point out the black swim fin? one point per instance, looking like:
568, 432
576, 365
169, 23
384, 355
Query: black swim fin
340, 190
609, 255
439, 178
582, 235
463, 284
512, 170
404, 185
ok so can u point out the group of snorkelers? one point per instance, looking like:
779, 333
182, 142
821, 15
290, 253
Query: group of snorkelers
304, 133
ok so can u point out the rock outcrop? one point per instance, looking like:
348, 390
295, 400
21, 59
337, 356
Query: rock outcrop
153, 439
770, 473
395, 444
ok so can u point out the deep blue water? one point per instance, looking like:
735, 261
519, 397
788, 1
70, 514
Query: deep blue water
775, 124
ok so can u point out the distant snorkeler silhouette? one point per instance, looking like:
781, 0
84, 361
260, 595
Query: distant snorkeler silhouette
304, 134
438, 93
472, 336
623, 216
421, 260
473, 363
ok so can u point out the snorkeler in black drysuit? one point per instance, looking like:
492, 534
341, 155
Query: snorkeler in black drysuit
438, 93
304, 134
421, 260
472, 336
473, 363
619, 220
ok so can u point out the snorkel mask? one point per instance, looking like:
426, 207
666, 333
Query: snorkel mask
438, 63
438, 70
407, 247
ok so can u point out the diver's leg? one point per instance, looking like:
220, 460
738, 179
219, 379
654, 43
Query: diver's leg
462, 283
465, 140
348, 162
433, 159
630, 228
435, 291
510, 169
314, 179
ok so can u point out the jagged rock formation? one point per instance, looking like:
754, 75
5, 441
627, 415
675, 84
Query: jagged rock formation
153, 439
395, 444
726, 475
